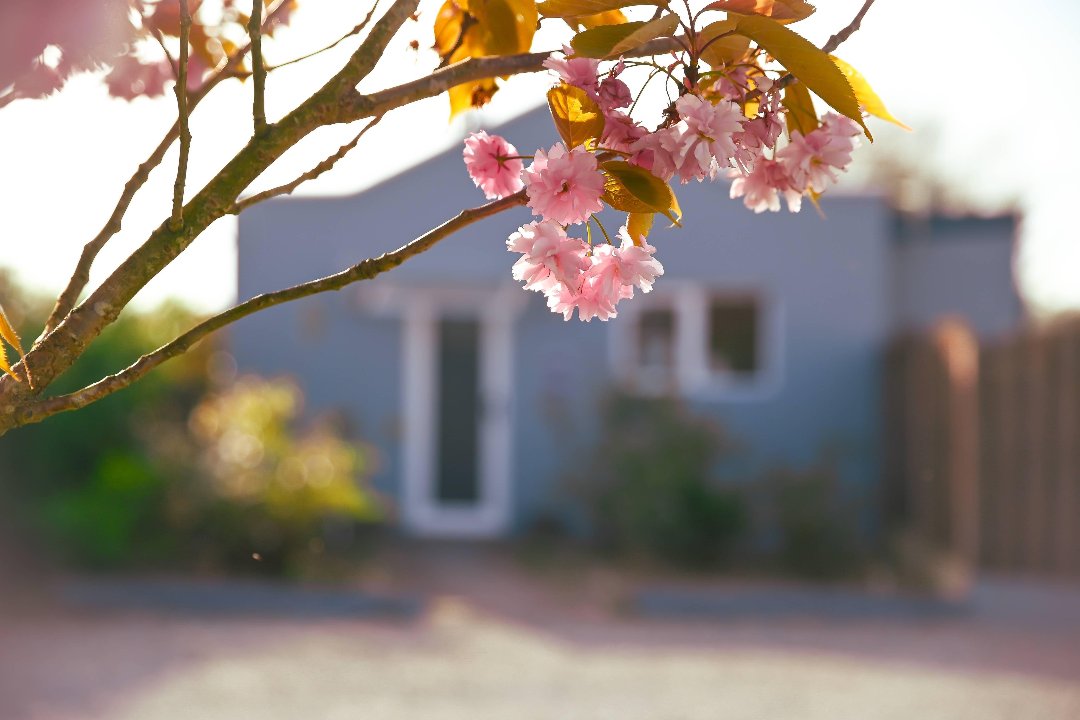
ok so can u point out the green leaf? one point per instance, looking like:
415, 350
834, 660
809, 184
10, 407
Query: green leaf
800, 116
785, 11
719, 51
578, 8
865, 94
634, 189
806, 62
662, 26
598, 42
577, 118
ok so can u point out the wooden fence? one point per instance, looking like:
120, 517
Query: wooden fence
984, 446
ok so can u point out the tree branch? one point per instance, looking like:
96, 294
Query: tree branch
835, 41
356, 105
364, 270
258, 68
56, 352
355, 31
177, 220
81, 275
311, 174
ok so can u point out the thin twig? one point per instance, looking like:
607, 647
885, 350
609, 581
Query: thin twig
364, 270
835, 41
258, 68
311, 174
177, 220
81, 275
355, 31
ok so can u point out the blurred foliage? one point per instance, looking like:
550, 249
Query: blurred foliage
652, 487
171, 473
818, 523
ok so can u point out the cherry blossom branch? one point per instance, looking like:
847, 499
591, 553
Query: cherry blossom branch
355, 31
364, 270
311, 174
258, 67
836, 40
81, 275
177, 219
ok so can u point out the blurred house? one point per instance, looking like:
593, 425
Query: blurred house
480, 399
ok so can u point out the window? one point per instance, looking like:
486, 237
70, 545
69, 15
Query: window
733, 336
655, 350
700, 342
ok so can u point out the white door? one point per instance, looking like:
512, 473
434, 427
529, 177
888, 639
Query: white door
457, 412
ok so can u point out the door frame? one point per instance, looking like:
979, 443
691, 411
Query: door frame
496, 311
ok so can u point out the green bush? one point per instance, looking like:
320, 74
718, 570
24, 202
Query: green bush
169, 475
818, 523
652, 487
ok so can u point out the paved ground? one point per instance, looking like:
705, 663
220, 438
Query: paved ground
495, 644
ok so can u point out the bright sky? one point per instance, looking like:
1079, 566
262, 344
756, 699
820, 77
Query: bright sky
990, 80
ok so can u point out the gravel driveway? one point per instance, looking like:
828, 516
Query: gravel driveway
504, 648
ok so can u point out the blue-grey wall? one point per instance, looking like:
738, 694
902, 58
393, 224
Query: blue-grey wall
832, 279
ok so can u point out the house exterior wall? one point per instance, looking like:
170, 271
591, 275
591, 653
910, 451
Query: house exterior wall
828, 284
957, 266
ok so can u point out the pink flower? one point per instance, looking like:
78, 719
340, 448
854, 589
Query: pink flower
761, 189
620, 132
564, 187
812, 160
492, 165
580, 72
612, 275
734, 84
651, 152
549, 257
705, 135
130, 78
758, 135
614, 93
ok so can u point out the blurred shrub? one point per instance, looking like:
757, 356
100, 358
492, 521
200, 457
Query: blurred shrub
817, 522
166, 473
651, 485
269, 490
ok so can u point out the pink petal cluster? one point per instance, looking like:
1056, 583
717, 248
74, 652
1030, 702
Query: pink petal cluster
762, 188
580, 72
620, 132
549, 258
614, 93
493, 165
564, 186
612, 275
705, 137
813, 160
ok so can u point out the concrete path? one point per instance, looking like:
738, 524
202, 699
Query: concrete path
497, 644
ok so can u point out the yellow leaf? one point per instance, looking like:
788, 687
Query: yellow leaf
577, 118
784, 11
800, 116
580, 8
634, 189
720, 51
638, 225
507, 26
448, 27
806, 62
608, 17
471, 95
597, 42
7, 332
477, 29
865, 94
660, 27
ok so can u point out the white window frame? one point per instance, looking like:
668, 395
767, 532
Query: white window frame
694, 378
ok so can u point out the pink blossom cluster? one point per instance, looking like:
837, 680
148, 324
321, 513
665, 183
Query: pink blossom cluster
706, 135
574, 276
